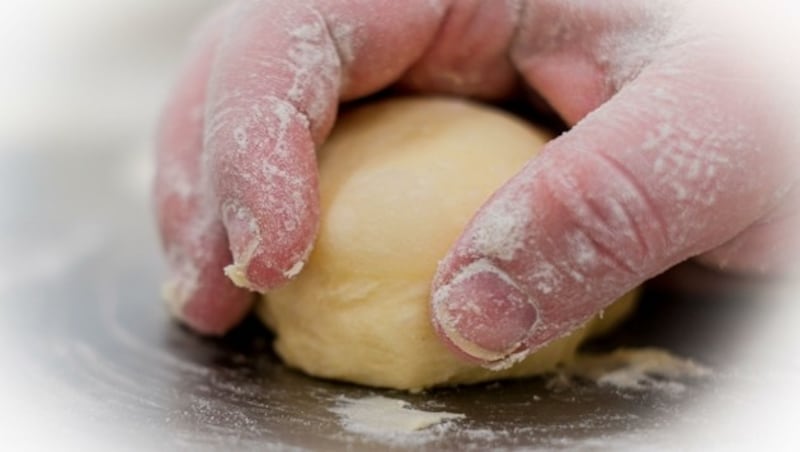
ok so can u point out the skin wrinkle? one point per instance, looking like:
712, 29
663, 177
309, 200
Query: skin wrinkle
611, 53
467, 54
577, 208
587, 221
322, 37
315, 129
521, 53
685, 162
556, 273
455, 78
638, 190
313, 45
446, 13
618, 260
647, 37
341, 38
317, 43
517, 11
670, 149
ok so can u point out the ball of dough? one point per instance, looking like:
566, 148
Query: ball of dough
399, 180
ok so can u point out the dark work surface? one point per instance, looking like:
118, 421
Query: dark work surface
90, 353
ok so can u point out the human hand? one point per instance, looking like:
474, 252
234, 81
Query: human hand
680, 147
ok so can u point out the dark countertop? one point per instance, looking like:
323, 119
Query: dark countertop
90, 354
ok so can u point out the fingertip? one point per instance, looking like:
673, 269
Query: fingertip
266, 252
208, 305
244, 238
261, 274
196, 292
484, 316
204, 318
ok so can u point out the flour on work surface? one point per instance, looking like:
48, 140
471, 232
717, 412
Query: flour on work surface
386, 417
641, 369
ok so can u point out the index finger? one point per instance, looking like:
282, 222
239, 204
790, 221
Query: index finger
279, 76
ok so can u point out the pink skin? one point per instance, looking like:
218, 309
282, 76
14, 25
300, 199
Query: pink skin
195, 242
677, 150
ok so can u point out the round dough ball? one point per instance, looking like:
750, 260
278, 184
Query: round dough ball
399, 180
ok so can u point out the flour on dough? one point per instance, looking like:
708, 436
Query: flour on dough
399, 180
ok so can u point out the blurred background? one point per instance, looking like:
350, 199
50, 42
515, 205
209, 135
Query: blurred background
89, 359
81, 85
88, 73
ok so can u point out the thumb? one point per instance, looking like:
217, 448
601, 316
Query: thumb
668, 168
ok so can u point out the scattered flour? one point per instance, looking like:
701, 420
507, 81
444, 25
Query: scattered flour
295, 270
642, 369
386, 417
392, 421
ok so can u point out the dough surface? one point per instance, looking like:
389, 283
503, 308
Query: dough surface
399, 179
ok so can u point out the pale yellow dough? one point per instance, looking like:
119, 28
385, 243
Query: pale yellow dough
399, 180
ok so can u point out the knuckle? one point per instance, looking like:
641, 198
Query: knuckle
610, 217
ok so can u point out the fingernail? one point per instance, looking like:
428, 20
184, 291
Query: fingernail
484, 314
244, 237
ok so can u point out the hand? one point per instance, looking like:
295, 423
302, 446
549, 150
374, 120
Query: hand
682, 144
